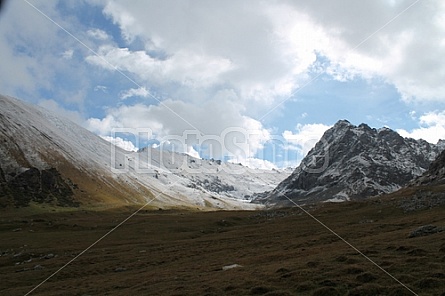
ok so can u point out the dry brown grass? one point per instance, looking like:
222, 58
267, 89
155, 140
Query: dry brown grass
282, 252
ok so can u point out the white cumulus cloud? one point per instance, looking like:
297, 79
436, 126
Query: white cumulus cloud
192, 152
134, 92
119, 142
263, 48
98, 34
184, 67
305, 136
255, 163
432, 127
215, 121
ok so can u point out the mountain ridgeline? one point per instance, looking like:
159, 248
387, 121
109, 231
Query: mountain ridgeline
46, 159
353, 162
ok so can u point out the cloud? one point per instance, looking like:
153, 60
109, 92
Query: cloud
119, 142
185, 68
101, 88
244, 50
68, 54
305, 137
54, 107
98, 34
219, 124
432, 127
255, 163
134, 92
266, 47
104, 126
22, 40
192, 152
378, 38
217, 66
262, 50
38, 60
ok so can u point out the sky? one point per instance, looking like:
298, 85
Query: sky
256, 82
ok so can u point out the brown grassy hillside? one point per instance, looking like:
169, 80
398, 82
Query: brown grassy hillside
279, 252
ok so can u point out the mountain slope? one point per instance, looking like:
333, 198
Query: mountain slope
49, 159
435, 175
34, 140
355, 162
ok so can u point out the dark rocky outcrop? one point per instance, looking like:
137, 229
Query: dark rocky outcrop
213, 184
435, 175
425, 230
34, 185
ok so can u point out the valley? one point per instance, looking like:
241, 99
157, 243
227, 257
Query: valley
269, 252
212, 148
79, 216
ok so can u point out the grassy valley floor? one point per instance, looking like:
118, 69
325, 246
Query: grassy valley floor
275, 252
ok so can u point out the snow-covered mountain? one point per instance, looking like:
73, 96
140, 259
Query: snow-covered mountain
48, 159
354, 162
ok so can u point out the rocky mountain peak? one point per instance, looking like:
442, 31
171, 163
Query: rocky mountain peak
355, 162
342, 123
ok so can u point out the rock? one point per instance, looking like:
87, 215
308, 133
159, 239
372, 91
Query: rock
41, 186
227, 267
425, 230
49, 256
421, 200
120, 269
38, 267
435, 173
213, 184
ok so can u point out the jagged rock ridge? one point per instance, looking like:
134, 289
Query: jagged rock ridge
435, 175
355, 162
